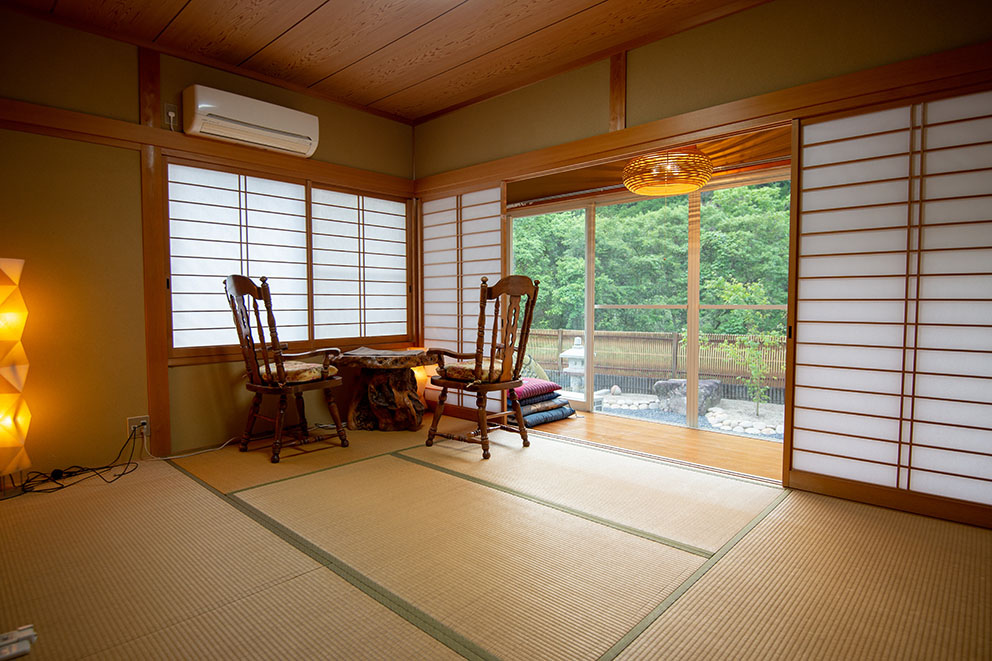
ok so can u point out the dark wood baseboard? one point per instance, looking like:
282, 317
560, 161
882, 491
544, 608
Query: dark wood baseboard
918, 503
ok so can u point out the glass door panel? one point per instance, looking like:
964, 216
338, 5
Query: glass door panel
641, 373
743, 291
551, 247
641, 304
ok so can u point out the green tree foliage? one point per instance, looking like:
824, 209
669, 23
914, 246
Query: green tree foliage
744, 237
721, 291
642, 258
551, 248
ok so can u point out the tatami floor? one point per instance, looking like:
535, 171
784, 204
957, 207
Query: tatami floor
388, 549
740, 454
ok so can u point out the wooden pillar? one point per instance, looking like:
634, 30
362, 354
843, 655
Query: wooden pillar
149, 79
590, 304
155, 266
618, 91
692, 320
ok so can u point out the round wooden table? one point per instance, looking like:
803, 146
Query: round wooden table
386, 393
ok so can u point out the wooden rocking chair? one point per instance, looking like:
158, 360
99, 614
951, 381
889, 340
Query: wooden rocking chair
497, 371
272, 372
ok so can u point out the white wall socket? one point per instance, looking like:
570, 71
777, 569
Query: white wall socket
137, 420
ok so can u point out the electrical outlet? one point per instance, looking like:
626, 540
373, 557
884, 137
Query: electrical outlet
137, 421
170, 118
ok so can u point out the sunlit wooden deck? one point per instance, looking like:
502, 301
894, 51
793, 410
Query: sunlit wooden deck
736, 453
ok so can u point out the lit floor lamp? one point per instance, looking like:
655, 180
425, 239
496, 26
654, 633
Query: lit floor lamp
14, 414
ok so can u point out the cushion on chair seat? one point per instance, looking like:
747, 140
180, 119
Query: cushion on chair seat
465, 371
298, 371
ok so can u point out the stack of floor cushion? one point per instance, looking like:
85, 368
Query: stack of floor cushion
540, 402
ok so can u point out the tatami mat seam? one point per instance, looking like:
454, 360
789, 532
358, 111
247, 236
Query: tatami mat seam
405, 610
659, 610
681, 546
293, 477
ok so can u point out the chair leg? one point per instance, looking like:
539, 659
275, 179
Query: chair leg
302, 414
280, 420
438, 412
521, 427
480, 403
256, 402
335, 416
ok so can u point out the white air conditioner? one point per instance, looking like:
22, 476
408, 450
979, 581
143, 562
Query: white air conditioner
225, 116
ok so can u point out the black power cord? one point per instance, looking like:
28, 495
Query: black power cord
40, 482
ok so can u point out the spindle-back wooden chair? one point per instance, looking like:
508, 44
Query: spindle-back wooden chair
271, 371
505, 313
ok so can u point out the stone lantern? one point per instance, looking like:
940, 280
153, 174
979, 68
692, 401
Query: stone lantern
576, 368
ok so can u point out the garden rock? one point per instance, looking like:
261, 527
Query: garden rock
671, 395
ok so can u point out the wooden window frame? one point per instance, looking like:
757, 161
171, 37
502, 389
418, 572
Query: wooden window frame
178, 356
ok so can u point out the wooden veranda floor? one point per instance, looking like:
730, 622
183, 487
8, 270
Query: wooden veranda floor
735, 453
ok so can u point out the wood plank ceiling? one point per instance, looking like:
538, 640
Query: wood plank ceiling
407, 59
742, 158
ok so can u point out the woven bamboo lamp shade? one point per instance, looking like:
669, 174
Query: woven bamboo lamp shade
671, 173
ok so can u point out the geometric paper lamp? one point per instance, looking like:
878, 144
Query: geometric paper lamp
13, 367
15, 417
674, 172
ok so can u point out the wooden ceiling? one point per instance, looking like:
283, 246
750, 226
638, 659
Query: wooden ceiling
407, 59
746, 156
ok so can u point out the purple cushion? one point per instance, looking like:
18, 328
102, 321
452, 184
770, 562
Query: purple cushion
534, 387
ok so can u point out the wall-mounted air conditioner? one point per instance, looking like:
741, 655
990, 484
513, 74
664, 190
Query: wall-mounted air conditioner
225, 116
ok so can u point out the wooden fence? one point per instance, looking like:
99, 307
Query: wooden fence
655, 355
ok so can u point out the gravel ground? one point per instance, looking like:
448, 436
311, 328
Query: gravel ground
741, 410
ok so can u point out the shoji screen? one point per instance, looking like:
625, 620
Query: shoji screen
359, 265
222, 223
462, 242
893, 366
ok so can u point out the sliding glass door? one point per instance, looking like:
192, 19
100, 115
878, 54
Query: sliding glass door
641, 307
687, 296
551, 247
743, 292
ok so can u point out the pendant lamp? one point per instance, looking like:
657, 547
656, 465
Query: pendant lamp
670, 173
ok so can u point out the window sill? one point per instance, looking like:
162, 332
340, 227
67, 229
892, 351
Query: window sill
227, 354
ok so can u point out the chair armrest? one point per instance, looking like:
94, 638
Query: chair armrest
441, 353
331, 352
328, 354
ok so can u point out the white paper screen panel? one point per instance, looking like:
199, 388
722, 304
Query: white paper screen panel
222, 223
462, 243
894, 299
359, 265
440, 273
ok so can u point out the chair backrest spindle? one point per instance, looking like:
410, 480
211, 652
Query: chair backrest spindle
508, 340
261, 351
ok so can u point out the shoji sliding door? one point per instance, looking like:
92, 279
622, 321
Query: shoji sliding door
893, 344
463, 241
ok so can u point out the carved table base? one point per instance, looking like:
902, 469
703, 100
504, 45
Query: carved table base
386, 399
386, 392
